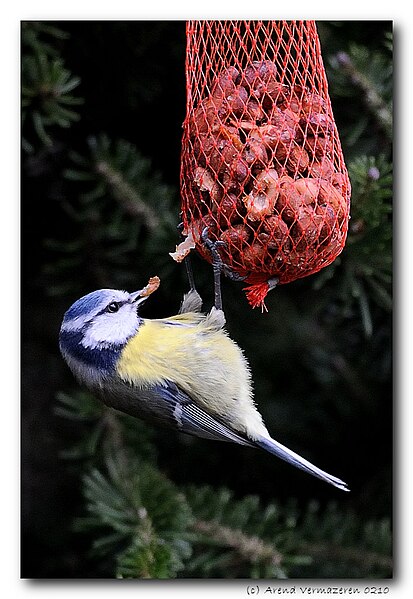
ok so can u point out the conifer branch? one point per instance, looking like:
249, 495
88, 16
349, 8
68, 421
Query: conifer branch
127, 197
250, 547
46, 86
372, 98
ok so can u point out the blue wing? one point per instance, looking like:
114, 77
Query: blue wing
168, 405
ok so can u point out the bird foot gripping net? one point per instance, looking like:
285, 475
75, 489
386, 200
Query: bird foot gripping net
261, 166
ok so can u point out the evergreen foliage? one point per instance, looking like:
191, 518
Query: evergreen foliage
46, 85
367, 267
100, 208
109, 236
145, 526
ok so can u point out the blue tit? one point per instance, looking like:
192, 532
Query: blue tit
184, 371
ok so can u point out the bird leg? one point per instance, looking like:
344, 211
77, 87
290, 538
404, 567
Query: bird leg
188, 265
192, 301
217, 262
190, 273
217, 265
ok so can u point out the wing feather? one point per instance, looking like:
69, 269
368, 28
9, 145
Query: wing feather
168, 405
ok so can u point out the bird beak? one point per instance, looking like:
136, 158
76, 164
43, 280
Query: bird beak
140, 296
137, 297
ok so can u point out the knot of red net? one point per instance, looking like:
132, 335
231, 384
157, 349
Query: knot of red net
262, 165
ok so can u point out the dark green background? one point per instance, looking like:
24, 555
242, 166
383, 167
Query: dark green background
324, 391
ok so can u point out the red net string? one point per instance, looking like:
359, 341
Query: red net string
261, 165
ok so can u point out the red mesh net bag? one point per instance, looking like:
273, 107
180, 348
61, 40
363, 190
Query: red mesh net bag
262, 166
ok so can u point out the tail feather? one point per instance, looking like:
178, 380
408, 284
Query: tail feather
296, 460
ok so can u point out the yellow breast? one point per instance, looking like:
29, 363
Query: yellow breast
156, 351
203, 361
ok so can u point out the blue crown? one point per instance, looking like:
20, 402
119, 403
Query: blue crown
88, 303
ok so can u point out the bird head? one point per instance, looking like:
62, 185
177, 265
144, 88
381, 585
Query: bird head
95, 329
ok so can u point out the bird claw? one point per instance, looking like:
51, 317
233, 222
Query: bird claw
217, 262
232, 274
217, 265
212, 247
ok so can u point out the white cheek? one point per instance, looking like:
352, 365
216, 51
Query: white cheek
108, 329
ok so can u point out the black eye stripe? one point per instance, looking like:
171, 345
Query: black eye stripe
105, 309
